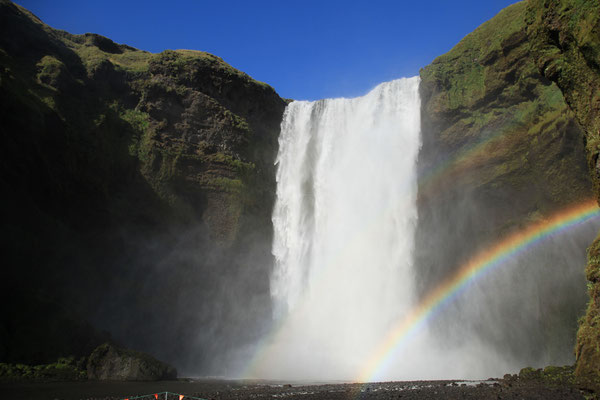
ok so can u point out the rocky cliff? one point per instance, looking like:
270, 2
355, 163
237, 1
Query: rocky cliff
501, 150
139, 188
565, 42
138, 193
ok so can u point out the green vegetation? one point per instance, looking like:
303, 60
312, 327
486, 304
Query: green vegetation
507, 124
184, 64
49, 71
138, 120
513, 147
469, 71
588, 335
217, 63
111, 153
566, 46
237, 165
124, 57
64, 369
237, 122
551, 375
565, 43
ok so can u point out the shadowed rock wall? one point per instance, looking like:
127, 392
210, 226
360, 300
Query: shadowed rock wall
139, 196
501, 150
565, 38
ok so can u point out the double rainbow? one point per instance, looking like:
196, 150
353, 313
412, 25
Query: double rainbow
476, 267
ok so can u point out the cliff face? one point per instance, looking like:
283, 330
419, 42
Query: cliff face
140, 188
565, 38
501, 150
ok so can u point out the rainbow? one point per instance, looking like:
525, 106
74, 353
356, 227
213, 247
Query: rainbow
468, 159
476, 267
428, 183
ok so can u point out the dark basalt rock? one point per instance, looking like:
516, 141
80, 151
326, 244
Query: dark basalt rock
507, 151
565, 42
108, 362
140, 185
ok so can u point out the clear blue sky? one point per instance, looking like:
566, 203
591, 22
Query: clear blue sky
305, 49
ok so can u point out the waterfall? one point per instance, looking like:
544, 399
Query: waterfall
344, 284
344, 223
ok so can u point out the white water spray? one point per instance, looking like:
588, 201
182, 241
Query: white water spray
344, 223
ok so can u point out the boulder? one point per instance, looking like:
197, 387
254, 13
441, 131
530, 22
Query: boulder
108, 362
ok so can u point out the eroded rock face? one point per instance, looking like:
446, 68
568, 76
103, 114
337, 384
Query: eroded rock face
501, 150
108, 362
142, 183
150, 176
565, 37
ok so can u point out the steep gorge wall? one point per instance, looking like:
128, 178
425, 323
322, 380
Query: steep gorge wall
140, 188
565, 38
141, 185
501, 150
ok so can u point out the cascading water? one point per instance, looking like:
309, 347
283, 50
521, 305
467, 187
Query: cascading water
344, 223
344, 284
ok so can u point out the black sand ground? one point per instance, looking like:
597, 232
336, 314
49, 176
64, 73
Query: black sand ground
221, 389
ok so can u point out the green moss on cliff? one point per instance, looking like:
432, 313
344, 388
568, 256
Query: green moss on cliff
138, 120
565, 43
50, 70
185, 63
588, 336
64, 369
131, 60
505, 151
120, 163
464, 72
566, 46
551, 375
508, 125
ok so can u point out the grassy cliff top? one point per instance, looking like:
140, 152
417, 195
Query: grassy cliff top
488, 37
462, 71
93, 49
